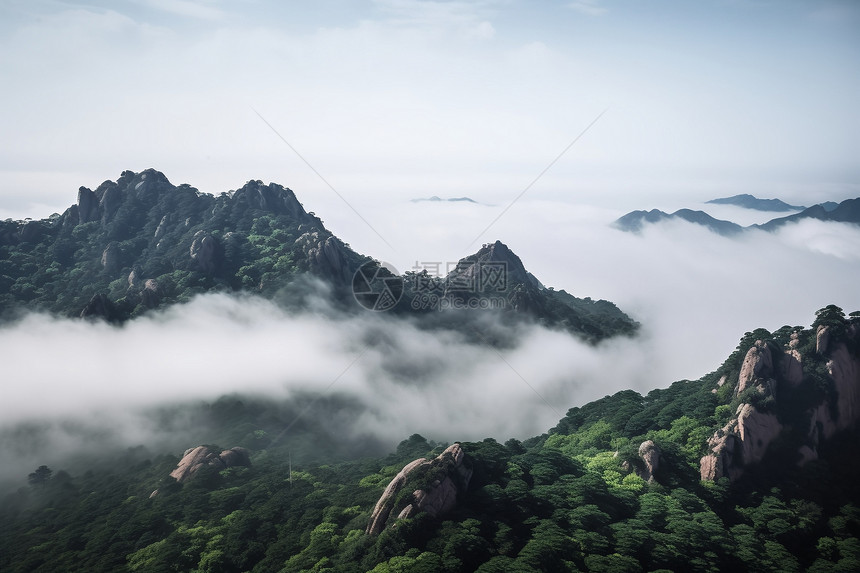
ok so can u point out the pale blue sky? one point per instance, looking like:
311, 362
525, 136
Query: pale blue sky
392, 99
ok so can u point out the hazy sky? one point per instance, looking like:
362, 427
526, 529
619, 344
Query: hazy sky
392, 99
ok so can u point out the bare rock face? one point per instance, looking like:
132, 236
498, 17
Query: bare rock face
745, 439
204, 251
135, 276
110, 201
447, 476
324, 256
161, 230
742, 441
99, 307
271, 198
650, 454
88, 206
150, 296
791, 367
720, 462
756, 430
758, 363
111, 257
822, 339
844, 369
196, 458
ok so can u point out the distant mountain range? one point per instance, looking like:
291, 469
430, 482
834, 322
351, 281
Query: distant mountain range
847, 211
750, 202
635, 220
140, 243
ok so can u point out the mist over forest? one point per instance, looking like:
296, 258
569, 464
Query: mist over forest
424, 286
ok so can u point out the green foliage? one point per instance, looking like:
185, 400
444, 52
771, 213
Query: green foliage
571, 500
256, 247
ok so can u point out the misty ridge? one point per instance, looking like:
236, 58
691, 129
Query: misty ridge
105, 388
445, 375
424, 286
150, 326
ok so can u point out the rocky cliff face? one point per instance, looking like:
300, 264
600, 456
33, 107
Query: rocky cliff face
757, 366
744, 440
650, 454
843, 366
195, 458
326, 256
437, 484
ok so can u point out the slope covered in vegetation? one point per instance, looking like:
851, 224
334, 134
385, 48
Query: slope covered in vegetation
140, 243
615, 486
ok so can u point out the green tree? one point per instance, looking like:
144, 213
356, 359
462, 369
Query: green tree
40, 477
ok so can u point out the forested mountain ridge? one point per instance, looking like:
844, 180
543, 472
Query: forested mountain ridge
615, 486
141, 243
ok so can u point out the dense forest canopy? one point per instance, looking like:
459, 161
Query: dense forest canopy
751, 467
140, 243
614, 486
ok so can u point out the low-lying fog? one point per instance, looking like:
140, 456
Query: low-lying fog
694, 292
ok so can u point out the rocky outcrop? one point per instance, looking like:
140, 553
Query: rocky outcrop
756, 430
99, 306
741, 442
111, 257
822, 339
843, 413
195, 458
135, 276
650, 454
161, 230
791, 366
325, 256
437, 482
745, 438
150, 296
88, 206
272, 198
110, 201
757, 364
204, 252
721, 462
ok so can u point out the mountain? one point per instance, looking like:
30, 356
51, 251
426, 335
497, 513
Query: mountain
140, 243
635, 220
847, 211
753, 467
750, 202
495, 278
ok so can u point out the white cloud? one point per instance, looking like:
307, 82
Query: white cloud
202, 10
589, 7
97, 381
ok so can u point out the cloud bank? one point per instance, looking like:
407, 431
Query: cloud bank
96, 382
695, 292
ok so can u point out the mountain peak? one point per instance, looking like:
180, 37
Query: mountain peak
748, 201
499, 254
